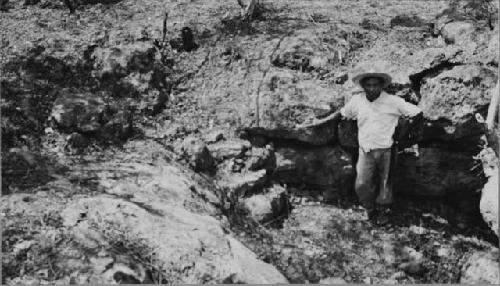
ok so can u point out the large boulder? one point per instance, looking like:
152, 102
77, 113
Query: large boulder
189, 248
451, 99
436, 172
489, 195
322, 167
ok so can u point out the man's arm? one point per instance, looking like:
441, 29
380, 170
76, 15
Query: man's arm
334, 117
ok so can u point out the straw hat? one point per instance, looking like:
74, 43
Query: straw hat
372, 69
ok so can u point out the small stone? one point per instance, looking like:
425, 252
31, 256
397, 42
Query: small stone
100, 264
214, 136
77, 140
268, 206
417, 229
198, 154
23, 245
413, 267
398, 275
332, 280
244, 183
443, 252
367, 280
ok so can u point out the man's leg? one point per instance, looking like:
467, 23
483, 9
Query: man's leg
384, 197
365, 188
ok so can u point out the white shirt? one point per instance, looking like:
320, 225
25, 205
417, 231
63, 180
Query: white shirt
377, 120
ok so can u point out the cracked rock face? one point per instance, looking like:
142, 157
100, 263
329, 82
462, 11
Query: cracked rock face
324, 167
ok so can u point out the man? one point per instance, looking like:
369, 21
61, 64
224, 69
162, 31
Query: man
377, 114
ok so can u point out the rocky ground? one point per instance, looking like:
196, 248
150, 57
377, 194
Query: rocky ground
147, 142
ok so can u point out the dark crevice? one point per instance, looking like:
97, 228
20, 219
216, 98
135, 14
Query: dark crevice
416, 79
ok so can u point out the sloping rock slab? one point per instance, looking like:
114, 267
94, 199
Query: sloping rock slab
190, 248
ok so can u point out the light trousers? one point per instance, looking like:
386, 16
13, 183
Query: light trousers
373, 171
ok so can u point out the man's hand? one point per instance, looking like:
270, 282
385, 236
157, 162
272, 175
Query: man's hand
335, 117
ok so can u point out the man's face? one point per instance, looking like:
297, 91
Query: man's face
372, 87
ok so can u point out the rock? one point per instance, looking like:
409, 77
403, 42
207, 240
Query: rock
22, 246
301, 53
332, 280
286, 102
489, 195
261, 158
405, 20
180, 239
30, 2
101, 264
368, 280
21, 166
78, 112
451, 99
436, 172
122, 274
417, 229
492, 50
481, 268
372, 25
81, 112
214, 136
130, 70
198, 155
414, 261
243, 184
398, 275
457, 32
443, 251
77, 140
118, 125
322, 167
397, 55
185, 42
489, 203
234, 148
270, 205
